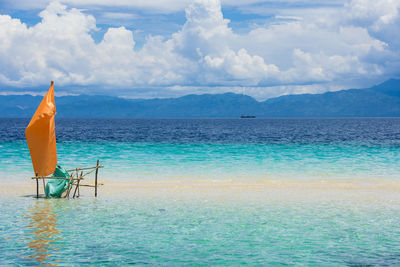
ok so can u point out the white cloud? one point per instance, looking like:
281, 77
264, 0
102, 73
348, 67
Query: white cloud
56, 48
241, 66
325, 47
374, 14
380, 18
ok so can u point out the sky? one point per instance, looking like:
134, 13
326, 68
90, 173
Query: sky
170, 48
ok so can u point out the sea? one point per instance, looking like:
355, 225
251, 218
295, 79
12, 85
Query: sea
344, 226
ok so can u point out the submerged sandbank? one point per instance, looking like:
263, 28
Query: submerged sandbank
309, 190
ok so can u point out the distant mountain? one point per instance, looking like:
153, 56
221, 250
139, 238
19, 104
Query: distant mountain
378, 101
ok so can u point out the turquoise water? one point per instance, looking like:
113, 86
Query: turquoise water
155, 161
168, 231
345, 226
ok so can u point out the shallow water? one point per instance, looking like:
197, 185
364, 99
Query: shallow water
162, 230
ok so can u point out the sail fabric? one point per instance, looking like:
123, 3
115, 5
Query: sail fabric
55, 187
41, 136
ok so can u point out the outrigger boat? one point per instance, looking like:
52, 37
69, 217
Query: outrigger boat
41, 138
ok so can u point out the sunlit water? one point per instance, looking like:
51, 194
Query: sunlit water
321, 229
167, 231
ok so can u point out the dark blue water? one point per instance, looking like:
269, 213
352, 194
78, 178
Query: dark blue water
368, 131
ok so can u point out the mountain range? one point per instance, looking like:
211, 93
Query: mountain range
382, 100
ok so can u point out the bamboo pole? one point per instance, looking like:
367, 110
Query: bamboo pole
37, 188
76, 188
76, 185
44, 188
83, 169
95, 179
89, 185
59, 178
68, 189
72, 185
71, 178
37, 185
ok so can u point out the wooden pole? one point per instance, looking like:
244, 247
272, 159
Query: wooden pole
83, 169
95, 179
69, 183
77, 185
37, 185
37, 188
57, 178
78, 192
76, 188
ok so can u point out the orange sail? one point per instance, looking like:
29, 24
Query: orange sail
41, 136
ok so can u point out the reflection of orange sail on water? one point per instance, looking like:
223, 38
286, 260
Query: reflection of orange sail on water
45, 233
41, 136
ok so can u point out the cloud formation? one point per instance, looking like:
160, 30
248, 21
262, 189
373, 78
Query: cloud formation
329, 47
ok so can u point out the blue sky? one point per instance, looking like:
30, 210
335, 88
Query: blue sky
169, 48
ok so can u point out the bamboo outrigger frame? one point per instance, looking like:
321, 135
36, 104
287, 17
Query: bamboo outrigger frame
41, 138
76, 176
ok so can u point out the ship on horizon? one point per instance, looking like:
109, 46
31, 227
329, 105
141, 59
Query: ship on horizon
247, 116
